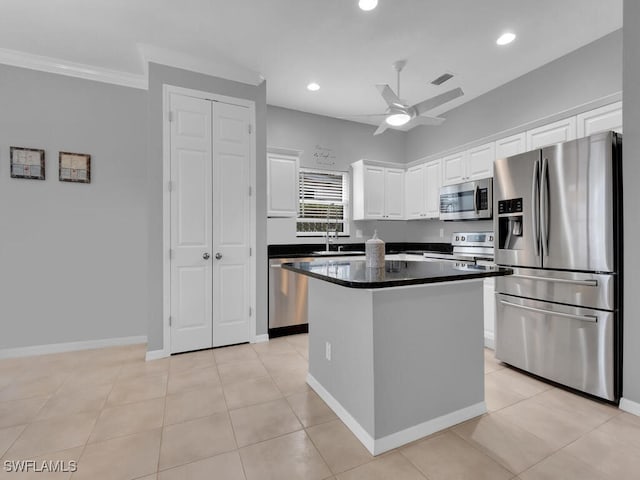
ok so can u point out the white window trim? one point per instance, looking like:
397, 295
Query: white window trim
346, 205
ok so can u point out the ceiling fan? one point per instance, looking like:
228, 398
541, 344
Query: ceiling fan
399, 113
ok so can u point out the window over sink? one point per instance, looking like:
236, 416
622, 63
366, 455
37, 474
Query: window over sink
323, 203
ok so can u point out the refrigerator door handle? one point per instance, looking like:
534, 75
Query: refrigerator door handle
535, 206
586, 283
584, 318
544, 209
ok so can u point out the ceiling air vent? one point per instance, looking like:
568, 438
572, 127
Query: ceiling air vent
442, 78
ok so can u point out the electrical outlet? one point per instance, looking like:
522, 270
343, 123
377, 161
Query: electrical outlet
442, 233
327, 350
358, 233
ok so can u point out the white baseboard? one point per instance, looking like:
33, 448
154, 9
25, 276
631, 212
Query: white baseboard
70, 346
352, 424
260, 338
489, 340
630, 406
156, 355
395, 440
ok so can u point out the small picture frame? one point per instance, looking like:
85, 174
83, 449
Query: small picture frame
74, 167
27, 163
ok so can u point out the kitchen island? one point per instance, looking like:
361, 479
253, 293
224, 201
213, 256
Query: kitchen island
396, 352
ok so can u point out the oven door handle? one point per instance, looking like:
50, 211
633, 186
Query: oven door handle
583, 318
586, 283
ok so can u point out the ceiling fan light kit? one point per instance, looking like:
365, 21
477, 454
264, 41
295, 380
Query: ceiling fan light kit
398, 119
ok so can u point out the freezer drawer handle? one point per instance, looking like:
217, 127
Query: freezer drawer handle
584, 318
586, 283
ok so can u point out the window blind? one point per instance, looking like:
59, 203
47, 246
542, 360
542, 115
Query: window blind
322, 202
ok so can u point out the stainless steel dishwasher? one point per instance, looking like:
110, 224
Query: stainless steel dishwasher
287, 299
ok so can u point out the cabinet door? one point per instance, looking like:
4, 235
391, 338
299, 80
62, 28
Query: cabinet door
480, 161
282, 185
453, 167
512, 145
432, 184
374, 197
394, 193
601, 119
414, 192
556, 132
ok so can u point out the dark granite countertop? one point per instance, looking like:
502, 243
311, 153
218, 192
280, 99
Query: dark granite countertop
307, 249
355, 274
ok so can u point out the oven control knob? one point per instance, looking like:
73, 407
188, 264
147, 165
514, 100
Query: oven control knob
491, 238
462, 239
457, 238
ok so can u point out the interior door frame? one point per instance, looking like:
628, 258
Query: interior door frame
167, 90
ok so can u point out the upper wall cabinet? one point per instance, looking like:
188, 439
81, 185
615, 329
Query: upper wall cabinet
601, 119
282, 184
378, 192
512, 145
422, 190
556, 132
469, 165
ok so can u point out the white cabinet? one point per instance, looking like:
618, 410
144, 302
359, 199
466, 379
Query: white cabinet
432, 184
556, 132
378, 192
453, 168
422, 190
414, 184
394, 193
480, 161
489, 312
471, 164
282, 185
512, 145
601, 119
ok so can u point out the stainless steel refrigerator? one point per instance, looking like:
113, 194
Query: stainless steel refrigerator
558, 222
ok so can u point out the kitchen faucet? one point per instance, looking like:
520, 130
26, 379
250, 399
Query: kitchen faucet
335, 228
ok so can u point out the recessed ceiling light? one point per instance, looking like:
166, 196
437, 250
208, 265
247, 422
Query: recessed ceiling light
367, 5
313, 87
397, 119
506, 38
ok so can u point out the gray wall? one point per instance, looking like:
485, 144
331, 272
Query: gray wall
72, 257
584, 75
631, 159
160, 75
349, 142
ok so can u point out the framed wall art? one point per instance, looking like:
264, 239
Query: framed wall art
27, 163
74, 167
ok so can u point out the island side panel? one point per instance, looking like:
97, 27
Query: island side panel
342, 316
428, 353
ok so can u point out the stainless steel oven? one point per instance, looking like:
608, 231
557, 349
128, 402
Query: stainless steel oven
467, 201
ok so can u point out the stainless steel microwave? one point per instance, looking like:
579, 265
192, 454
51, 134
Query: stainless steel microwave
467, 201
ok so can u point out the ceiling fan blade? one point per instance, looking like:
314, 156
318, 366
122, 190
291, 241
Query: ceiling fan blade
371, 116
383, 126
389, 97
436, 101
434, 121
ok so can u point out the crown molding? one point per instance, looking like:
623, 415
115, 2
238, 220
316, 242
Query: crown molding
71, 69
216, 65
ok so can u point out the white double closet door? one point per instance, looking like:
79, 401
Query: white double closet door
210, 223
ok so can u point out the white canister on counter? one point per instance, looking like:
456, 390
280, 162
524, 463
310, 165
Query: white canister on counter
374, 250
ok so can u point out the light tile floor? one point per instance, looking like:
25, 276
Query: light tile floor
246, 413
